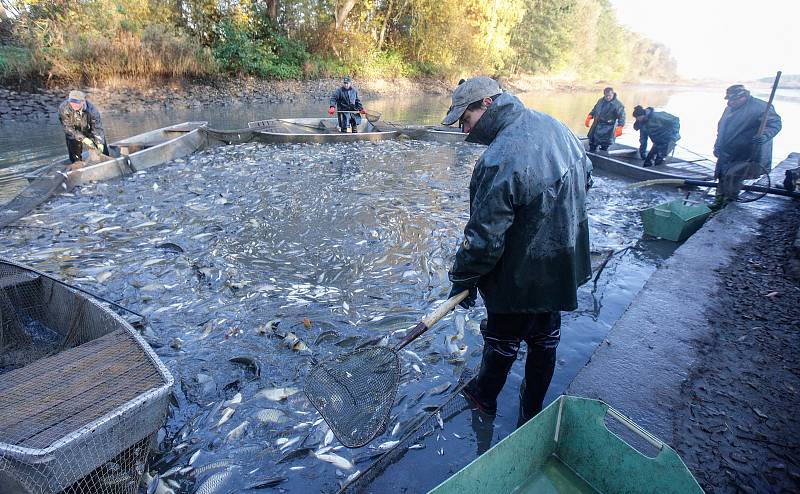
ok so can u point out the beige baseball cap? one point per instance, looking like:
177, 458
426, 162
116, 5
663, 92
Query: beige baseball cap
76, 96
470, 91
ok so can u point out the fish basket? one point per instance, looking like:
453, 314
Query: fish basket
675, 220
569, 448
82, 395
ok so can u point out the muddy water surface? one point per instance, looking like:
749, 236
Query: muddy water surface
268, 255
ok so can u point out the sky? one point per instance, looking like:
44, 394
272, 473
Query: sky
727, 40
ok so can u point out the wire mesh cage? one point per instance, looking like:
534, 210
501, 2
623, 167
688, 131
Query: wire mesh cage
81, 393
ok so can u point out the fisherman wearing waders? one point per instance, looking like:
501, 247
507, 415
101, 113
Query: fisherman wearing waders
609, 118
82, 125
741, 152
660, 127
526, 244
345, 101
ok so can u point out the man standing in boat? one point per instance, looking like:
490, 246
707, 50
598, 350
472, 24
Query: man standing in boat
526, 244
741, 152
345, 101
660, 127
82, 125
609, 118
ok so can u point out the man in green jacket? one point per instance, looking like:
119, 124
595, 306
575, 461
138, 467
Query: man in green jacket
660, 127
526, 244
82, 125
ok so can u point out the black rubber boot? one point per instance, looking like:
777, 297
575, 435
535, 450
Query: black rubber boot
604, 147
539, 366
659, 160
355, 130
592, 148
498, 357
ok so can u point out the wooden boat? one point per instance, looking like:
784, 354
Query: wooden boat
569, 448
318, 130
81, 393
624, 160
128, 156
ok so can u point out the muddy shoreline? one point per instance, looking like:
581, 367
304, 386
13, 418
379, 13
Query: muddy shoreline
739, 426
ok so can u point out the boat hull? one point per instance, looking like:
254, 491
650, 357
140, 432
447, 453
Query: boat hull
624, 160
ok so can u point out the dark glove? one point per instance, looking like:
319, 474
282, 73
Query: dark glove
459, 287
760, 139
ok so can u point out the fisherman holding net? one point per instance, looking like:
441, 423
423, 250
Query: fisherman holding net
526, 244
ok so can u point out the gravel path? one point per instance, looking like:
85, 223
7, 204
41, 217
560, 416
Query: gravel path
740, 429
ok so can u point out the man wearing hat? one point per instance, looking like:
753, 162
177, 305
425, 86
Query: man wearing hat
609, 119
660, 127
741, 152
526, 244
82, 125
345, 101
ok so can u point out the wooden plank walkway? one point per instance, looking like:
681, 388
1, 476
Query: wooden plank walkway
56, 395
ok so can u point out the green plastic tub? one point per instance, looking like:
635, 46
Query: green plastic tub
675, 220
568, 448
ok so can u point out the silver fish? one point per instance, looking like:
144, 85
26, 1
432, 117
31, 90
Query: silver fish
335, 460
215, 482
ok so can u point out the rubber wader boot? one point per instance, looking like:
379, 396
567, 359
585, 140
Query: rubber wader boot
539, 366
498, 357
355, 129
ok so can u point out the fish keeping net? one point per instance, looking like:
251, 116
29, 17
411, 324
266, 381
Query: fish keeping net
81, 395
355, 393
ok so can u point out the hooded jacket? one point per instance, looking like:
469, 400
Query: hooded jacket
607, 115
526, 243
661, 127
736, 129
82, 123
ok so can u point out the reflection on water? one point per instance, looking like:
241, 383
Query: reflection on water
242, 251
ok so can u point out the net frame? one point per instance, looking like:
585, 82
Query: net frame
349, 393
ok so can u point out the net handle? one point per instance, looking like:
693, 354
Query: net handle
432, 319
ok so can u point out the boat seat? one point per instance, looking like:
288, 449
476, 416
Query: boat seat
56, 395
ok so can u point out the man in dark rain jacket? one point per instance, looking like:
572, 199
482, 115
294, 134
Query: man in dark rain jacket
345, 99
660, 127
526, 244
609, 118
741, 154
82, 125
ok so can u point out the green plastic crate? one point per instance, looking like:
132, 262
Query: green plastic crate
675, 220
568, 448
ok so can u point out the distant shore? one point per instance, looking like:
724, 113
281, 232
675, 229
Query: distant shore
22, 105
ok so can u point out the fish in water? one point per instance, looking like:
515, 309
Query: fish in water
271, 416
237, 432
266, 483
276, 394
250, 362
226, 415
292, 341
388, 445
237, 398
216, 482
439, 389
335, 460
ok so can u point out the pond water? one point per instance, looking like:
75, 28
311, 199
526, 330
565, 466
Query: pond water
240, 251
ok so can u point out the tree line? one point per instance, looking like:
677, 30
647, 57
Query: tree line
98, 40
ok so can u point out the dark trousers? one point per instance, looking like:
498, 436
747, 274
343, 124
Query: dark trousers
344, 119
502, 335
75, 149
